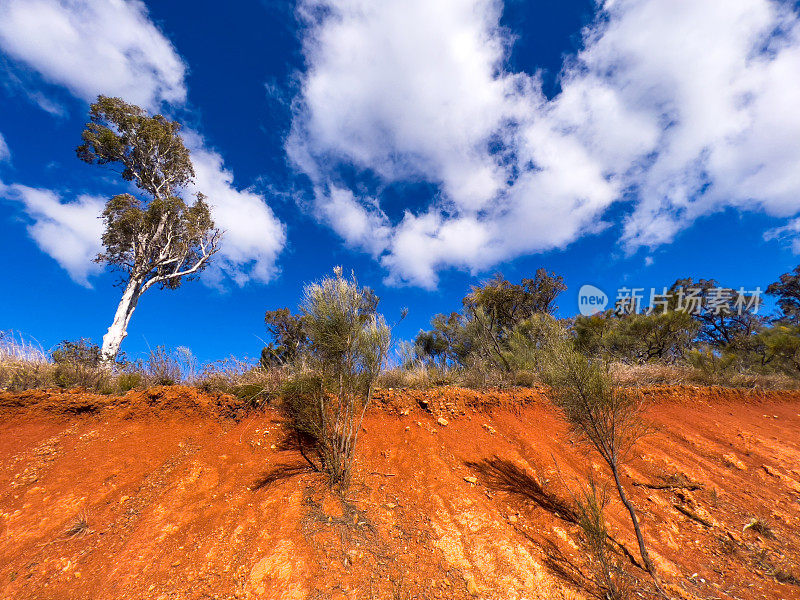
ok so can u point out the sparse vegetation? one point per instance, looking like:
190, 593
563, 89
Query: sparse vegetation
590, 505
599, 412
761, 527
23, 363
78, 527
347, 346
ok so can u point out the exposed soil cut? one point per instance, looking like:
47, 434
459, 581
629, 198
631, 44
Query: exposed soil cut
171, 493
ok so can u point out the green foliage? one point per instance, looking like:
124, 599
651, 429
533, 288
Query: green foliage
129, 380
478, 338
780, 348
77, 365
289, 338
347, 346
149, 149
157, 239
719, 328
787, 292
636, 338
529, 340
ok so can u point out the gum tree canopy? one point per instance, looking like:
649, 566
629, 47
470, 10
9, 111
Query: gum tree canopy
157, 238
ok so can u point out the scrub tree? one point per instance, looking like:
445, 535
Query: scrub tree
605, 416
346, 350
157, 238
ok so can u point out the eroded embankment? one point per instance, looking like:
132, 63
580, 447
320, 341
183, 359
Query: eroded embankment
458, 494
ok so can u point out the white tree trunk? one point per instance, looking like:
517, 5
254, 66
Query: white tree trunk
119, 327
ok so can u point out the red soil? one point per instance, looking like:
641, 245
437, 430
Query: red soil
182, 501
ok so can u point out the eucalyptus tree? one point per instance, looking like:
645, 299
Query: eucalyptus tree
156, 237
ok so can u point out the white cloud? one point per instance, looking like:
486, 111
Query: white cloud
69, 232
724, 77
253, 236
691, 106
94, 47
111, 47
5, 153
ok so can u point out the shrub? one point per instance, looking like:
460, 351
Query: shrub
78, 364
477, 338
289, 338
605, 416
348, 342
637, 338
162, 367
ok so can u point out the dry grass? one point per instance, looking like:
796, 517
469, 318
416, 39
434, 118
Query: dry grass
625, 375
79, 526
426, 377
760, 526
23, 363
628, 375
253, 383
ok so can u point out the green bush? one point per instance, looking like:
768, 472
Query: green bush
348, 342
129, 380
637, 338
78, 364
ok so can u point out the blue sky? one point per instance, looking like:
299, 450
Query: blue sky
424, 145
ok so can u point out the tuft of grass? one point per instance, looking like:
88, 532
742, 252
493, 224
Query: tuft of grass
760, 526
79, 527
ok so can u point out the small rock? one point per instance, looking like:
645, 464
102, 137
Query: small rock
733, 461
472, 587
472, 480
442, 421
512, 518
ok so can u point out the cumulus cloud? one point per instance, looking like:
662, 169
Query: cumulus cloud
111, 47
684, 107
252, 234
720, 81
69, 232
94, 47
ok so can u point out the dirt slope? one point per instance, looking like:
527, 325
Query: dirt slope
182, 501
